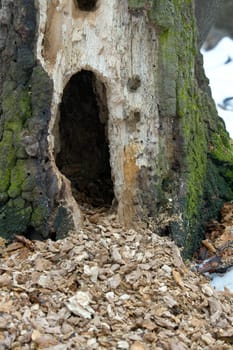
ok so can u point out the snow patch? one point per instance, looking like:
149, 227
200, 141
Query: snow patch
221, 281
218, 65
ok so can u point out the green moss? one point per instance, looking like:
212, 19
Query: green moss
18, 175
183, 102
25, 111
168, 71
20, 152
197, 117
221, 154
40, 214
188, 115
136, 3
220, 147
163, 14
228, 174
193, 129
16, 107
159, 12
7, 160
16, 110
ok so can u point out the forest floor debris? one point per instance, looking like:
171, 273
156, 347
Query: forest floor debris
216, 252
105, 287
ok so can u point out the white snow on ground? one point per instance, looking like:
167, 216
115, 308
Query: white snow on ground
218, 65
219, 281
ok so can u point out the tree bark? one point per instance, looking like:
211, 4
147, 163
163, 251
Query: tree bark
108, 98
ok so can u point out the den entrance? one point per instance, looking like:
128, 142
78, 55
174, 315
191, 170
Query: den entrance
83, 136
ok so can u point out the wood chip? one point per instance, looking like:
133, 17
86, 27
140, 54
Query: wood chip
208, 245
177, 278
29, 244
137, 346
120, 289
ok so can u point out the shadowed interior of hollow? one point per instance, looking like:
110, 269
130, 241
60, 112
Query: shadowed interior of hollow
86, 5
83, 155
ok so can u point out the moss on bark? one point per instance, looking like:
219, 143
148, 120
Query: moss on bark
198, 152
25, 102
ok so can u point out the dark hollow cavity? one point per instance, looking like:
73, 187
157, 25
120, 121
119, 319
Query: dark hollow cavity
83, 155
86, 5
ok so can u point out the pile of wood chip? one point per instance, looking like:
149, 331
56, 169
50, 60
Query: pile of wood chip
108, 288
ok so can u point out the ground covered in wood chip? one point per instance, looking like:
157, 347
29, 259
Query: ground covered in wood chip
108, 288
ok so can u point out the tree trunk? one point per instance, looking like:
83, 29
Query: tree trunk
105, 101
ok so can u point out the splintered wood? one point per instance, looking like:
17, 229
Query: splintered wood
107, 288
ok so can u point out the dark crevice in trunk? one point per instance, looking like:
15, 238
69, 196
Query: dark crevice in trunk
86, 5
83, 151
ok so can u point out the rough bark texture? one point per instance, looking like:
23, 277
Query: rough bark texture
170, 158
201, 180
27, 186
25, 110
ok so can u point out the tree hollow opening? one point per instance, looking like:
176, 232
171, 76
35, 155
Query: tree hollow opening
83, 155
86, 5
